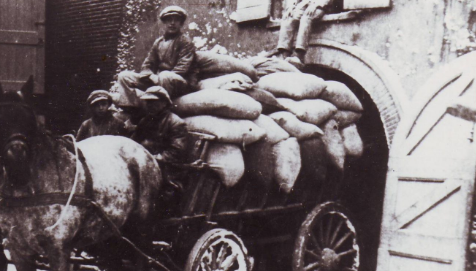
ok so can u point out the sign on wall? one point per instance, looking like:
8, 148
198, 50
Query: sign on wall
249, 10
361, 4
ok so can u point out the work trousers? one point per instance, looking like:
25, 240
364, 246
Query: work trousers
299, 19
132, 86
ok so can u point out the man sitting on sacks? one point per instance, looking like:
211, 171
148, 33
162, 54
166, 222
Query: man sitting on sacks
168, 63
163, 133
299, 15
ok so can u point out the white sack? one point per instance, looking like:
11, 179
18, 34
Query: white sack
345, 118
274, 132
235, 81
227, 161
293, 85
212, 63
265, 65
313, 111
353, 144
334, 143
267, 100
288, 163
226, 130
341, 96
296, 128
222, 103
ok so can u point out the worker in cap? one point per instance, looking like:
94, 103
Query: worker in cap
102, 121
168, 63
161, 132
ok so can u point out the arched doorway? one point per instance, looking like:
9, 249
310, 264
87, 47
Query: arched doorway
379, 91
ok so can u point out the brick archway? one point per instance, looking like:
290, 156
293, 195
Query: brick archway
370, 71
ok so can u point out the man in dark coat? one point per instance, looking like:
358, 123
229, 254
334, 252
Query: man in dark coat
102, 121
168, 64
161, 132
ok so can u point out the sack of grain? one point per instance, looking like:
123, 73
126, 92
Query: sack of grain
353, 144
345, 118
267, 100
296, 128
274, 132
259, 162
314, 159
313, 111
235, 81
288, 163
227, 161
222, 103
334, 143
242, 132
294, 85
341, 96
265, 65
211, 63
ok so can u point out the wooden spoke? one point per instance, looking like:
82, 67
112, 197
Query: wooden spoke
328, 232
228, 262
321, 234
313, 254
341, 222
342, 240
345, 253
314, 241
214, 258
222, 254
312, 266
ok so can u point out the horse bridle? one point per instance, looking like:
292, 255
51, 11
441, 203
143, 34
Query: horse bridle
17, 137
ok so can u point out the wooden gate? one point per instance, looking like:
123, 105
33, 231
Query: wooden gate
430, 180
22, 38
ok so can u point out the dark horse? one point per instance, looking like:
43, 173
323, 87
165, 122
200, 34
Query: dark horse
37, 175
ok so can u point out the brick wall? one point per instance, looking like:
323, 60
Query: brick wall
81, 45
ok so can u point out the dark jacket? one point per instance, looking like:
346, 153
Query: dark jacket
164, 134
174, 54
107, 125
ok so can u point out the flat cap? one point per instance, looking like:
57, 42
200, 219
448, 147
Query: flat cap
173, 10
156, 93
98, 95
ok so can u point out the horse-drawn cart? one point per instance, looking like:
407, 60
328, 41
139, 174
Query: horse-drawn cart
204, 225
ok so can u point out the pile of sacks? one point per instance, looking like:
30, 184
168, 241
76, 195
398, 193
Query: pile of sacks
270, 119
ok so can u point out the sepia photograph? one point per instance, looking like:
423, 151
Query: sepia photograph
237, 135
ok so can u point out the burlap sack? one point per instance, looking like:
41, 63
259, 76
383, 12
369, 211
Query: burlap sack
235, 81
234, 131
297, 86
345, 118
260, 162
341, 96
227, 161
288, 163
222, 103
313, 111
265, 65
274, 132
296, 128
267, 100
314, 159
353, 144
334, 143
211, 63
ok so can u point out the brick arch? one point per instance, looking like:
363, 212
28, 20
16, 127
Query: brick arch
370, 71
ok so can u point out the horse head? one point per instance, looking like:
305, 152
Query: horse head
18, 129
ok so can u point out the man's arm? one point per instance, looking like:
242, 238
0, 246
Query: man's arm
151, 62
185, 56
175, 151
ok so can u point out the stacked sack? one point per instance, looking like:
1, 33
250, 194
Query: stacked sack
262, 112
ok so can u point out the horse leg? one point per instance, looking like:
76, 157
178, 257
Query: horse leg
59, 258
22, 262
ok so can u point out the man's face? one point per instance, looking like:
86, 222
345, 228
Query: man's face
173, 24
154, 107
99, 108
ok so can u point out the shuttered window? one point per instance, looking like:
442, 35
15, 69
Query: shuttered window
249, 10
361, 4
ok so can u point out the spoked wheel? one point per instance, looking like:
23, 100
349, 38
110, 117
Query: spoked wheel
219, 250
327, 241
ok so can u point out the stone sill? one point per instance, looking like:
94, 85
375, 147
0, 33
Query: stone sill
343, 16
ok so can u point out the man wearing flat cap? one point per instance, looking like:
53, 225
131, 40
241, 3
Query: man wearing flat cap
161, 132
168, 63
102, 121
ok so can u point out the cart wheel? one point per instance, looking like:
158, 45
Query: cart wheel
219, 249
327, 241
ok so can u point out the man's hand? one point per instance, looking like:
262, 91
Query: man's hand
154, 78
